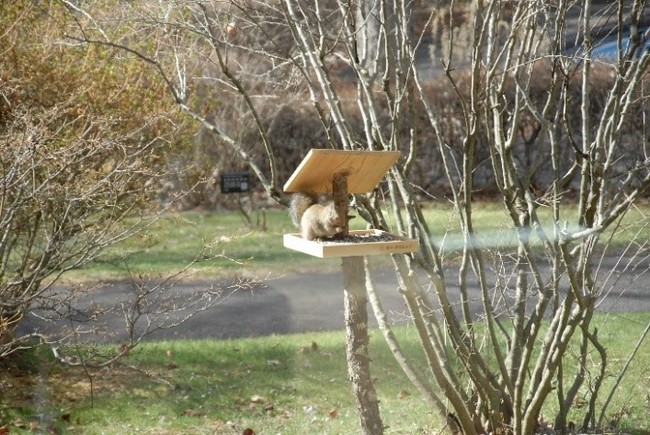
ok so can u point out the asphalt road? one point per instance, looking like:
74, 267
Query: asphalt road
305, 302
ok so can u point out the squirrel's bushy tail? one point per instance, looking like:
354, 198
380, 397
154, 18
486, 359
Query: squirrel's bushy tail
300, 202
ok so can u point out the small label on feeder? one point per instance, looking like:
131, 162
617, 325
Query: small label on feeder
397, 247
235, 182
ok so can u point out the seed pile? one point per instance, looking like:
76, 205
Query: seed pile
361, 238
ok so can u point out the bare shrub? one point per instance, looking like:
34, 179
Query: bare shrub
81, 157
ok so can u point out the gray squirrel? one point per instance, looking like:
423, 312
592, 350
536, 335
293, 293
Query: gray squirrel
315, 220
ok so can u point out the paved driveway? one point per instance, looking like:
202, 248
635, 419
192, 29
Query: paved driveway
307, 302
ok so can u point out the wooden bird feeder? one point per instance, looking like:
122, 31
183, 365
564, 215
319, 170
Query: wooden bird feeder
341, 172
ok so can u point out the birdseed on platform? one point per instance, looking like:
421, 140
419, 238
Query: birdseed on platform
360, 238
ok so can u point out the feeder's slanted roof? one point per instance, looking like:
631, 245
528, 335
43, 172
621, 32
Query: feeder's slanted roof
365, 170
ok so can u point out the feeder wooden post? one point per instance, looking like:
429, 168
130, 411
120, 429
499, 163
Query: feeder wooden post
358, 357
355, 300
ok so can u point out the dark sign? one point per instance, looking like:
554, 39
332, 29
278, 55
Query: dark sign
233, 182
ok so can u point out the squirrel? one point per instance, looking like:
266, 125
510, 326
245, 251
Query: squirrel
315, 220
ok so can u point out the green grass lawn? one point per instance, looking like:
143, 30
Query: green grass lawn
222, 244
275, 385
219, 244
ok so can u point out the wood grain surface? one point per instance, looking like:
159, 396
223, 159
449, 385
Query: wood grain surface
365, 170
